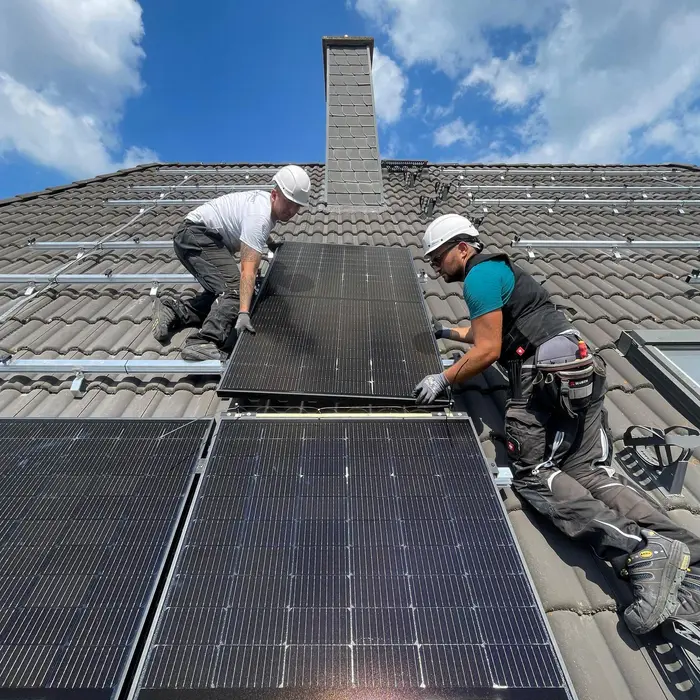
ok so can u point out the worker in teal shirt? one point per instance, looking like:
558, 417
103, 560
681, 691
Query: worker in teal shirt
559, 450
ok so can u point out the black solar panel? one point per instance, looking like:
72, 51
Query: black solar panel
88, 511
336, 321
362, 558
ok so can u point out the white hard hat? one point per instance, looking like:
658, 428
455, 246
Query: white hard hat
444, 228
294, 183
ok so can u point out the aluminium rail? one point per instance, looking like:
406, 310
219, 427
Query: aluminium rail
204, 188
109, 366
576, 188
154, 202
561, 171
95, 245
584, 202
608, 244
94, 278
241, 171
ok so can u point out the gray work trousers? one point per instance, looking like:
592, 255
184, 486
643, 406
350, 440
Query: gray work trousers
203, 254
561, 467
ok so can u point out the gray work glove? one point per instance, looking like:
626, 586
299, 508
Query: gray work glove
430, 387
243, 323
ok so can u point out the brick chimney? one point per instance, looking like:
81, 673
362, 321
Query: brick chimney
353, 170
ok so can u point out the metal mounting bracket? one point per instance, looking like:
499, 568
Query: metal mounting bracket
671, 453
78, 384
503, 477
685, 636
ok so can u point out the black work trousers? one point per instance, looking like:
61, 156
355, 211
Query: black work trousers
215, 309
561, 467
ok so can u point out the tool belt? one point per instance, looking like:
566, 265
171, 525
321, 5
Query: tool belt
568, 383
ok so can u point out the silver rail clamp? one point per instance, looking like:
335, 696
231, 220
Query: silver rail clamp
78, 384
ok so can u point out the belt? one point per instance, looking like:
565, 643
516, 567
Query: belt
571, 331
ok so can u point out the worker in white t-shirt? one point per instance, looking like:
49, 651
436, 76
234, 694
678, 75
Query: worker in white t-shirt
205, 244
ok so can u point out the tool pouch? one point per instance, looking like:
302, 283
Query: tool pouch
570, 385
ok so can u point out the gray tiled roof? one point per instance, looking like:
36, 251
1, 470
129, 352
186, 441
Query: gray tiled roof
602, 295
353, 172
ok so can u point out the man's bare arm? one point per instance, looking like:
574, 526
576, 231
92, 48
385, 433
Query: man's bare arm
486, 336
461, 334
250, 262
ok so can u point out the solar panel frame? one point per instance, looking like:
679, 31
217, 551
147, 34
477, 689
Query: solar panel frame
109, 634
263, 659
358, 311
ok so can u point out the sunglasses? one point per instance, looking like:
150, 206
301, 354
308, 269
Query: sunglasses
436, 260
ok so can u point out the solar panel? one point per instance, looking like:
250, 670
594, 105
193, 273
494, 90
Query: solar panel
336, 321
87, 513
358, 558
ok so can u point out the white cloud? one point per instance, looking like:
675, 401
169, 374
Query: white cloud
389, 88
440, 111
427, 113
67, 68
601, 82
417, 107
449, 33
455, 131
509, 84
392, 148
664, 133
677, 137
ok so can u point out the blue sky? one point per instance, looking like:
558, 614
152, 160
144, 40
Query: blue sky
128, 81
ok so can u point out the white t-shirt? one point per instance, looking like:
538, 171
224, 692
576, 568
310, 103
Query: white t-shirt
239, 216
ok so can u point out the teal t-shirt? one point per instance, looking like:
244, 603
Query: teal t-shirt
488, 287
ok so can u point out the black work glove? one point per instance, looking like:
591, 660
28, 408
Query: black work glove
243, 323
430, 387
439, 330
273, 246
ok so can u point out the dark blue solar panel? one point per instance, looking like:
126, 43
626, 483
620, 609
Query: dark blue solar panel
88, 511
336, 321
298, 579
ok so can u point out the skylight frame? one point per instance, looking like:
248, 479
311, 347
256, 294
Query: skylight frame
645, 349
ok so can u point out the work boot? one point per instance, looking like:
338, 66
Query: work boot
164, 321
688, 608
199, 349
656, 571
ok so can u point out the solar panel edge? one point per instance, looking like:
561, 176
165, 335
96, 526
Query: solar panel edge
349, 400
531, 583
144, 625
338, 693
131, 681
